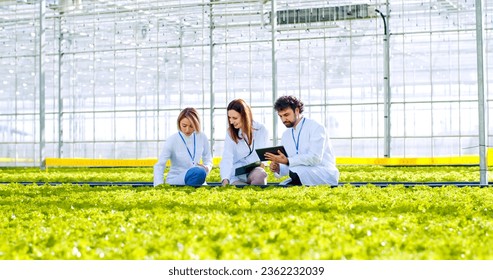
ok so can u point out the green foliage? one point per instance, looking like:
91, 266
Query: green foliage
82, 222
372, 173
71, 221
73, 174
349, 173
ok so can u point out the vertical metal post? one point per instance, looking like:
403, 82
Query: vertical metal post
388, 136
42, 11
482, 102
158, 86
273, 23
386, 69
211, 74
182, 69
60, 99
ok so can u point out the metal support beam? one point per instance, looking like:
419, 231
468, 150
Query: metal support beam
60, 99
273, 23
211, 73
42, 14
386, 78
482, 101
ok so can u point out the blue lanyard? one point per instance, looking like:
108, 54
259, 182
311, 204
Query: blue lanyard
297, 143
250, 148
188, 150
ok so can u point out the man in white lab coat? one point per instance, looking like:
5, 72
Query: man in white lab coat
309, 159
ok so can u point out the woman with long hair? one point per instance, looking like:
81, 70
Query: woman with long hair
243, 136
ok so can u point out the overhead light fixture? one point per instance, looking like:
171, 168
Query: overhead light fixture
313, 15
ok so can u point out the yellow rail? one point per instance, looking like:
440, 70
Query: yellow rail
458, 160
462, 160
149, 162
88, 162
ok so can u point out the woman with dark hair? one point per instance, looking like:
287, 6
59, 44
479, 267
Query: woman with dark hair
243, 136
185, 149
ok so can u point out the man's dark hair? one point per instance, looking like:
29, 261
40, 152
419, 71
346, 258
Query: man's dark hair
288, 101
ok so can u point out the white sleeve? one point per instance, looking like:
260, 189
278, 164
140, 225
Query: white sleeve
206, 154
283, 170
226, 165
160, 166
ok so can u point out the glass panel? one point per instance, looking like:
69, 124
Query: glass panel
364, 147
119, 72
367, 124
446, 146
417, 147
446, 119
342, 147
417, 119
105, 126
340, 121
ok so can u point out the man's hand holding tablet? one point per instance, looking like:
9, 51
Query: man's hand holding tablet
275, 154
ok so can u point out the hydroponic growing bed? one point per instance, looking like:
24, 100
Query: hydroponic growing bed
80, 221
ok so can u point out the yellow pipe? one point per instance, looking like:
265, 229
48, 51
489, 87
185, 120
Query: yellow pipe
149, 162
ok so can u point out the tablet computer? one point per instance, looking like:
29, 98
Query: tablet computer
246, 168
273, 150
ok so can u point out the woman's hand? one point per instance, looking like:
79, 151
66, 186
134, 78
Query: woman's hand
274, 167
225, 182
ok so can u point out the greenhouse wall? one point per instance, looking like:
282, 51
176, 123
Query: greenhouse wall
107, 79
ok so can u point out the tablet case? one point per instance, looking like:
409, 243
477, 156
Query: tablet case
273, 150
246, 168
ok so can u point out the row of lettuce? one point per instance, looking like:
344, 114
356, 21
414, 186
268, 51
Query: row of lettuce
349, 173
79, 222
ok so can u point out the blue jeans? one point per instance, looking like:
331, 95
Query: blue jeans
195, 176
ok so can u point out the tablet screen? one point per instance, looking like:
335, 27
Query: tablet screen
273, 150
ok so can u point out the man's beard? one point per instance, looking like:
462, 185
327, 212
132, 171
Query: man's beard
289, 124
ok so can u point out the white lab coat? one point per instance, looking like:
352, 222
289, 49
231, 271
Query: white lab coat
175, 150
315, 161
239, 154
